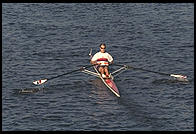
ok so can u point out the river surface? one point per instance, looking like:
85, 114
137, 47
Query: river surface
44, 40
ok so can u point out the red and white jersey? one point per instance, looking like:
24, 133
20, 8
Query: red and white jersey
102, 58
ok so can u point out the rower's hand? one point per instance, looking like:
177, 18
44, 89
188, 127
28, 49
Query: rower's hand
110, 63
92, 62
82, 68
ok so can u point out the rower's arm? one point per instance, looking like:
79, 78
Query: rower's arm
111, 62
93, 62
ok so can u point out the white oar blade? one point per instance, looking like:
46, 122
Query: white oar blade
39, 82
180, 77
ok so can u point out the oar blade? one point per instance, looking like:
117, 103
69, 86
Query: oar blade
180, 77
39, 82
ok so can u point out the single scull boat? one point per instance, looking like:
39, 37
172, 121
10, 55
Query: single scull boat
107, 81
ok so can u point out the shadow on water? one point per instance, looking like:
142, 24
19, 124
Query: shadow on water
146, 113
141, 114
30, 90
133, 110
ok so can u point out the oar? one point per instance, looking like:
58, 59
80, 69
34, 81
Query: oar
41, 81
177, 76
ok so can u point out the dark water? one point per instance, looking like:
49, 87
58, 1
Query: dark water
44, 40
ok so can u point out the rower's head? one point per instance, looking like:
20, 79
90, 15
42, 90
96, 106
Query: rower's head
102, 47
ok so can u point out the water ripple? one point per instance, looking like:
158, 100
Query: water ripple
43, 40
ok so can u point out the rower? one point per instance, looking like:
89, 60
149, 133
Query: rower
103, 59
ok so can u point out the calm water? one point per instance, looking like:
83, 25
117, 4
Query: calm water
45, 40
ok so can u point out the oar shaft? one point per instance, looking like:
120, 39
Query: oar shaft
150, 71
38, 82
142, 69
63, 74
70, 72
